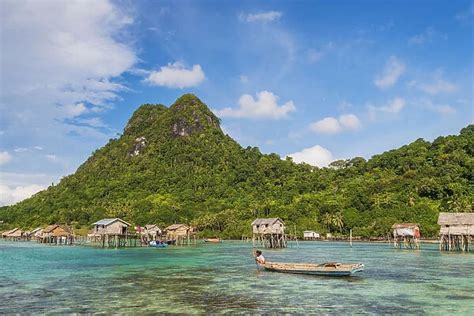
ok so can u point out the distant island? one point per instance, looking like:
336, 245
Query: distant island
175, 164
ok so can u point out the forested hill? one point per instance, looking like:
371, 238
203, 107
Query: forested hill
176, 165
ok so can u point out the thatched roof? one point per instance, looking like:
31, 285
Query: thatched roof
34, 231
14, 233
51, 228
108, 221
152, 228
405, 225
456, 219
176, 226
266, 221
8, 232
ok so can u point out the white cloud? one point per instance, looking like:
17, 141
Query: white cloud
349, 121
60, 59
52, 158
9, 196
332, 125
264, 106
435, 85
263, 17
5, 157
21, 150
444, 109
315, 156
392, 71
93, 121
27, 149
15, 187
394, 106
176, 76
427, 36
73, 110
328, 125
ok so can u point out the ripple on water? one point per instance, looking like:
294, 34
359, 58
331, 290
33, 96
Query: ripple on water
223, 279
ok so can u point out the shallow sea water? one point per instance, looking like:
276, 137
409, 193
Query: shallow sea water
222, 278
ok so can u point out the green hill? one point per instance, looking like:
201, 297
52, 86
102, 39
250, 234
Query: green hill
176, 165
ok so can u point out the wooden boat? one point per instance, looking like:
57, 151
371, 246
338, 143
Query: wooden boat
214, 240
327, 269
158, 244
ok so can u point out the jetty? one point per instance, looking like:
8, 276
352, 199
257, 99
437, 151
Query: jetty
269, 233
457, 231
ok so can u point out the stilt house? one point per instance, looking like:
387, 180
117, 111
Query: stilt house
457, 231
180, 234
112, 232
310, 235
406, 235
148, 232
110, 226
269, 232
15, 234
57, 234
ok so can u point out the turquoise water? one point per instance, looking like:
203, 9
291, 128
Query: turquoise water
222, 278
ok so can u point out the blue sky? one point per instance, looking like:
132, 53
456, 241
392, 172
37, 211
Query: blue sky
317, 80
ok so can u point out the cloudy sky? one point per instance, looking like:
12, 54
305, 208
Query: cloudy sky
317, 80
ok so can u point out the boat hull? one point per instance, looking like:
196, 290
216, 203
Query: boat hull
212, 240
332, 269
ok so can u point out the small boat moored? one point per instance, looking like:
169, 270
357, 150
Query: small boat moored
213, 240
326, 269
158, 244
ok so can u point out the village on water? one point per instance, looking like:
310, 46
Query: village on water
456, 234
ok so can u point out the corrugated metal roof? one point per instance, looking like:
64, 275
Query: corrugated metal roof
456, 219
266, 221
108, 221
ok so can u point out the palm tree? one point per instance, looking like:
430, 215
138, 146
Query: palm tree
338, 220
327, 220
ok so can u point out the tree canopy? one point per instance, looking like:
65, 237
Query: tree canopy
176, 165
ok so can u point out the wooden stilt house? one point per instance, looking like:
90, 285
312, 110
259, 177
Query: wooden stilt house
112, 232
457, 231
180, 234
15, 234
269, 233
58, 235
406, 235
311, 235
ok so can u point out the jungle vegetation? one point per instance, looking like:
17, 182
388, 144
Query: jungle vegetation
176, 165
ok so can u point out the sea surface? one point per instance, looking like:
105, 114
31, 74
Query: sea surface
222, 278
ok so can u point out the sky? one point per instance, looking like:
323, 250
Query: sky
314, 80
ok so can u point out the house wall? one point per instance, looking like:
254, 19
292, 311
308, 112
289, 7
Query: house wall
276, 228
112, 229
180, 232
404, 232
